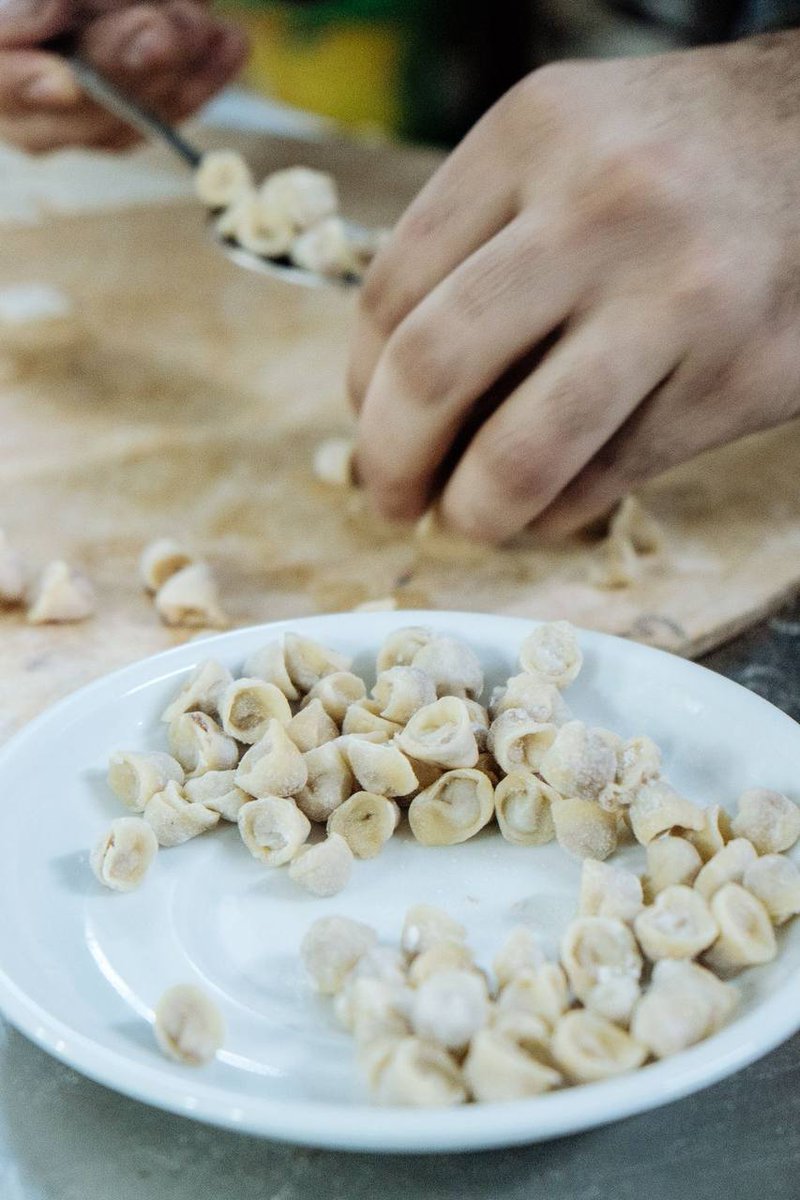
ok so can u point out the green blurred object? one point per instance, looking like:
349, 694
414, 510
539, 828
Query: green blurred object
417, 69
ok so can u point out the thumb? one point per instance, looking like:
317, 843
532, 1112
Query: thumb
29, 22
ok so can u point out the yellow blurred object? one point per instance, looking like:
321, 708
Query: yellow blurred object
349, 71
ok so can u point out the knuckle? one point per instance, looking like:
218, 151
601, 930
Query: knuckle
708, 286
386, 298
478, 523
546, 90
517, 471
418, 354
628, 182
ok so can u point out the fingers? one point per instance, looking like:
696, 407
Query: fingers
695, 410
447, 354
142, 42
557, 420
30, 80
172, 57
28, 22
464, 205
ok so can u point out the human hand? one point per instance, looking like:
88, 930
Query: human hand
172, 55
630, 229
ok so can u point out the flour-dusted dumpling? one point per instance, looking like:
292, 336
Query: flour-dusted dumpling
498, 1068
443, 956
770, 820
449, 1008
327, 249
678, 924
380, 768
426, 926
775, 881
12, 573
202, 691
551, 652
608, 891
746, 937
603, 965
519, 952
684, 1004
401, 647
364, 717
378, 1010
715, 832
670, 860
174, 819
518, 741
123, 855
657, 808
333, 461
273, 829
727, 866
401, 691
420, 1074
588, 1047
247, 706
522, 804
366, 821
541, 992
580, 762
632, 533
311, 727
307, 661
199, 745
217, 790
583, 828
190, 597
135, 777
441, 733
324, 868
454, 668
301, 195
638, 763
332, 947
330, 780
480, 721
188, 1026
161, 559
540, 700
221, 177
453, 809
273, 766
62, 594
336, 692
269, 663
258, 226
382, 965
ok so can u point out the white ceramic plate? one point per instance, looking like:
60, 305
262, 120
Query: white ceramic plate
81, 967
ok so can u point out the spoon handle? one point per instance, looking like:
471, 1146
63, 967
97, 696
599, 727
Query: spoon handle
107, 94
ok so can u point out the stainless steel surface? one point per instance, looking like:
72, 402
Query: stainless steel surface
65, 1138
116, 101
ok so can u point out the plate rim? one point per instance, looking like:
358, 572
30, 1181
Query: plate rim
363, 1127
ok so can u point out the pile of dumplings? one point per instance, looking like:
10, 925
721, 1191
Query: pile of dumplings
317, 773
292, 216
432, 1028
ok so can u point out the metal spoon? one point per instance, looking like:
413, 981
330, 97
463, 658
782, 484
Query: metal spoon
107, 94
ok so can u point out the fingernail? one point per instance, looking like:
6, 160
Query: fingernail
50, 87
142, 49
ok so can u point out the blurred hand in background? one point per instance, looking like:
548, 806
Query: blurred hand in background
172, 55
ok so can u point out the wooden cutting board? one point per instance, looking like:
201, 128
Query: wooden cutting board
194, 409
